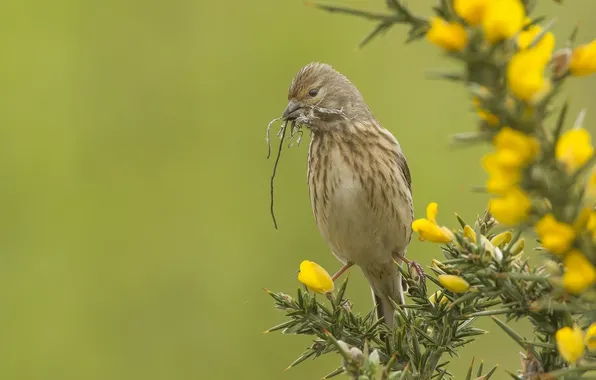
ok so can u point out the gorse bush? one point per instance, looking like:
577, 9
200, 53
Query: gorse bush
540, 181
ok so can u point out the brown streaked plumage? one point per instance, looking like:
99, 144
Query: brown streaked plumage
358, 179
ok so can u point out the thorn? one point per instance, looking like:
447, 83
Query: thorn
267, 290
580, 119
266, 332
326, 332
288, 367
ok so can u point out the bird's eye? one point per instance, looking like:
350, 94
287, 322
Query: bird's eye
313, 92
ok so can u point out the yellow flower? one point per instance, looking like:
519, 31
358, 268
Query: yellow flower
454, 284
469, 233
502, 19
315, 277
436, 295
447, 35
582, 219
500, 178
490, 118
487, 244
579, 272
501, 239
525, 75
570, 343
428, 228
555, 236
583, 60
545, 46
511, 208
472, 11
515, 149
590, 340
518, 247
574, 148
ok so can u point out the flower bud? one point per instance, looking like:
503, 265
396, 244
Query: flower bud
560, 62
344, 346
518, 247
436, 264
552, 267
356, 354
590, 339
374, 358
501, 239
436, 295
469, 233
454, 284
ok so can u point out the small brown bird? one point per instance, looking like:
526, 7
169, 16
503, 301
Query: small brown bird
358, 180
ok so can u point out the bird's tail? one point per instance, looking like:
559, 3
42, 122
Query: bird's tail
385, 282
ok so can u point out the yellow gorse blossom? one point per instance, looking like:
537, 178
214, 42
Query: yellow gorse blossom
579, 272
490, 118
582, 219
526, 75
436, 295
453, 283
555, 236
583, 60
428, 228
590, 339
500, 178
315, 277
472, 11
574, 148
502, 19
501, 239
514, 148
526, 70
570, 343
518, 247
545, 46
469, 233
488, 244
447, 35
512, 208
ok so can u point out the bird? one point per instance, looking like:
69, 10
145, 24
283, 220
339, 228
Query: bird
359, 182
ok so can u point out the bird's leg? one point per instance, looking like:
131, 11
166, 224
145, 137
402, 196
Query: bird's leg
412, 265
341, 270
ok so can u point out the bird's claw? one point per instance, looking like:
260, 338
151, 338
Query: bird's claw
416, 272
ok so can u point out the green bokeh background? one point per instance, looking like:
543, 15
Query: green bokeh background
135, 231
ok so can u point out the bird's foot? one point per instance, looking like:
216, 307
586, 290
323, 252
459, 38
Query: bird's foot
416, 272
341, 271
415, 269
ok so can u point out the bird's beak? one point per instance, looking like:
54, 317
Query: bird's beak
290, 111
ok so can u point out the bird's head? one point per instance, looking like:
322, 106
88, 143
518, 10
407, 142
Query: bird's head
319, 92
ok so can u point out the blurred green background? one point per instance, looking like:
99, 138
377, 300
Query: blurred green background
135, 231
